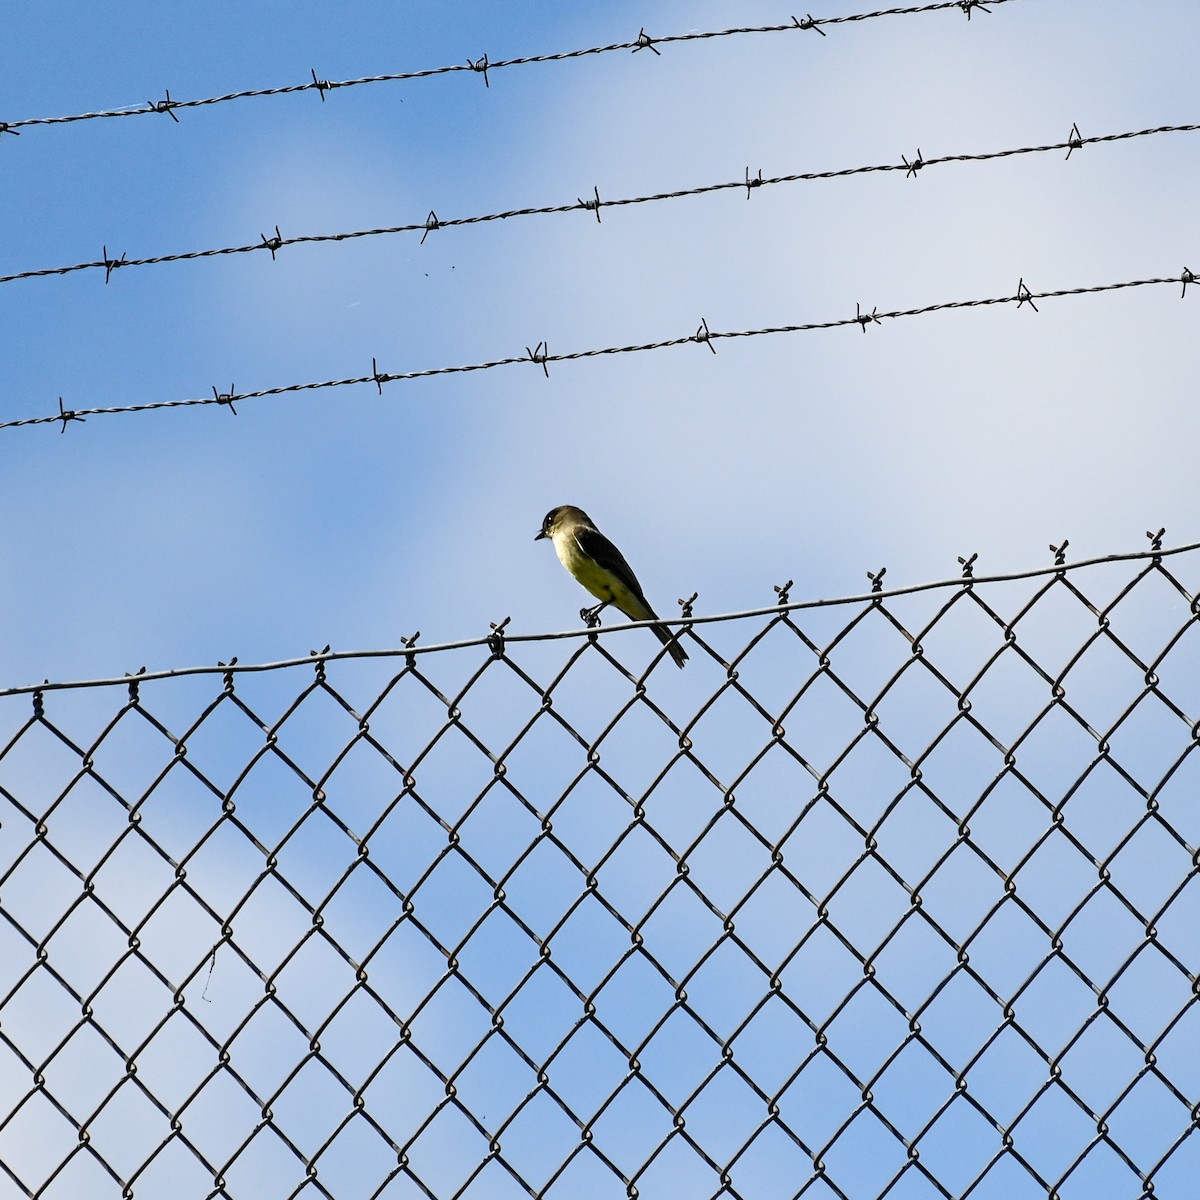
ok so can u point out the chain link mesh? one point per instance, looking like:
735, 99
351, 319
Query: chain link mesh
893, 897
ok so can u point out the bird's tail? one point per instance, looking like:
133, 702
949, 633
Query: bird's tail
668, 639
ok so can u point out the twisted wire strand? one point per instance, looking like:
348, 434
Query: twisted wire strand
541, 357
432, 222
484, 66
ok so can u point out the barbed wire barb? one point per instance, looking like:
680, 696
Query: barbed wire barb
645, 42
111, 264
481, 66
540, 356
65, 415
322, 85
592, 205
809, 23
165, 106
863, 319
1074, 140
226, 398
272, 244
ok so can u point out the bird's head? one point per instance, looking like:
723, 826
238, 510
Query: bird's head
560, 518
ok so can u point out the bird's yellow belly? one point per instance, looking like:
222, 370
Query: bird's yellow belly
600, 582
597, 581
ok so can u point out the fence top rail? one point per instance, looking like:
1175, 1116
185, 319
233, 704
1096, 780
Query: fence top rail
500, 635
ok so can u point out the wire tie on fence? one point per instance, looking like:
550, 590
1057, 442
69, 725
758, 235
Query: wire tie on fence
375, 375
876, 578
864, 319
164, 106
1074, 140
111, 264
1156, 538
39, 707
968, 5
272, 244
410, 659
753, 181
6, 128
133, 683
1187, 277
431, 223
1060, 552
322, 85
480, 65
968, 565
591, 205
591, 616
225, 398
703, 335
911, 168
1025, 296
319, 666
646, 42
496, 639
784, 592
808, 23
65, 415
539, 356
686, 605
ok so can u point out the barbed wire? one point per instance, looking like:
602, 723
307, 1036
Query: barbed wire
484, 65
595, 204
500, 635
540, 355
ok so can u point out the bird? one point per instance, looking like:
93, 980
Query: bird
597, 564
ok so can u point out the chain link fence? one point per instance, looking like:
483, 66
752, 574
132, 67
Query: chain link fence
892, 896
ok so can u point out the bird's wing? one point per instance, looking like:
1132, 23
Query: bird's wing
597, 547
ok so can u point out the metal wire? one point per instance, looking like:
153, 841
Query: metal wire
541, 356
516, 918
169, 107
595, 204
784, 605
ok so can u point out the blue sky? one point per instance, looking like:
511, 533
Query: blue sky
347, 518
344, 517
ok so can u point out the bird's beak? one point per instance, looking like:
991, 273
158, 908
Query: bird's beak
541, 533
